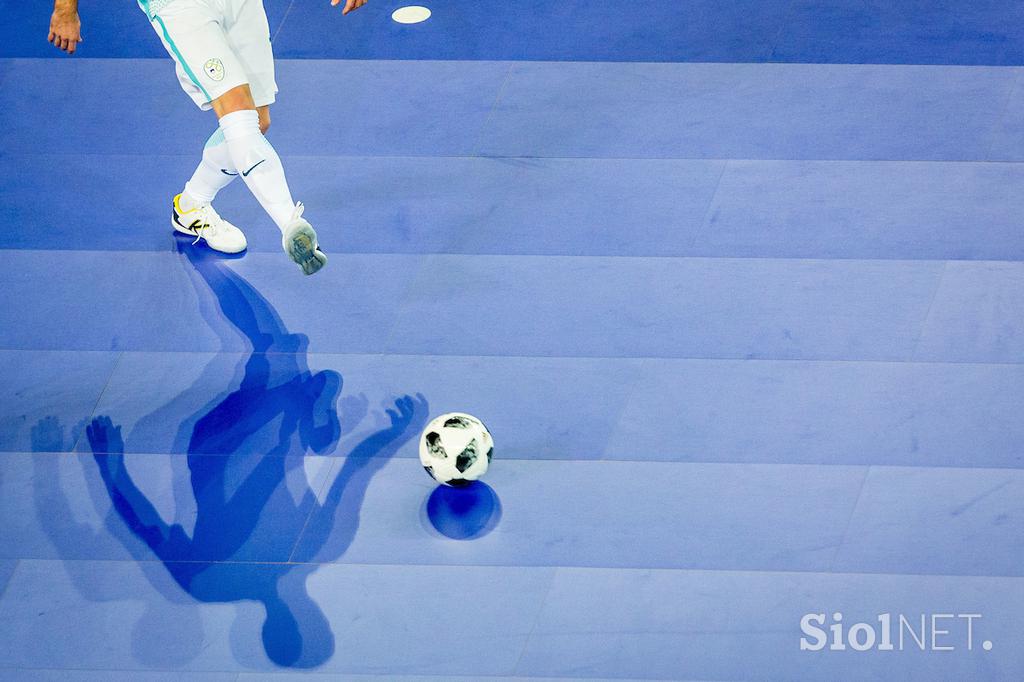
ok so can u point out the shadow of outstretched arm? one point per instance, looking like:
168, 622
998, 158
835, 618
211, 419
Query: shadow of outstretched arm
334, 527
138, 513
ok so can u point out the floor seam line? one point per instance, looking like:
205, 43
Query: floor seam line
554, 62
1005, 162
706, 213
849, 521
1003, 113
542, 567
99, 398
316, 506
597, 459
778, 34
10, 578
556, 356
536, 620
475, 147
640, 258
283, 20
915, 349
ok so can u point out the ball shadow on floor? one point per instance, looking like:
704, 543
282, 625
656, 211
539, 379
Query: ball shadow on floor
465, 513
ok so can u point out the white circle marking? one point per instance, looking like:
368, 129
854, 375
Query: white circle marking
412, 14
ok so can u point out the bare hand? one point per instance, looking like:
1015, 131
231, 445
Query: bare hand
65, 30
350, 5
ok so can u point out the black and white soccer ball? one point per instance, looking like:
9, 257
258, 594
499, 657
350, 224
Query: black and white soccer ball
456, 449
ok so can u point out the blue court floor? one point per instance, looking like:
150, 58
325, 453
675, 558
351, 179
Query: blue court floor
738, 288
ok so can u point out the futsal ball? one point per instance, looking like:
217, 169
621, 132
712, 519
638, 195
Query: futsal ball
456, 449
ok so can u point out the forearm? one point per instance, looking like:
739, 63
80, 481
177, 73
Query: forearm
65, 6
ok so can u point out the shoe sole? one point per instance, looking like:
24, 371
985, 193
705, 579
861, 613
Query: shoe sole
181, 230
301, 248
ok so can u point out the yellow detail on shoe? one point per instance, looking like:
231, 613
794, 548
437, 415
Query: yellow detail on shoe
177, 206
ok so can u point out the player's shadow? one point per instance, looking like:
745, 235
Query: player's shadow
243, 473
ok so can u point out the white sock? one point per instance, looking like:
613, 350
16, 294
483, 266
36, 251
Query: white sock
258, 164
215, 172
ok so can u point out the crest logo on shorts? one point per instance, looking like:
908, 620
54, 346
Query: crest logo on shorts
214, 68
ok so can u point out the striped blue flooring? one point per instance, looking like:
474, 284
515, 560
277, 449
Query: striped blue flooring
748, 337
551, 109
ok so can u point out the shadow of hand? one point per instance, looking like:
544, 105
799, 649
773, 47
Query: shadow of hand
48, 435
408, 412
104, 437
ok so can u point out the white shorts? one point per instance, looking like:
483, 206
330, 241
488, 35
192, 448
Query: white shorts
217, 45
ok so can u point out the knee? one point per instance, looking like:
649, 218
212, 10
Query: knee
236, 99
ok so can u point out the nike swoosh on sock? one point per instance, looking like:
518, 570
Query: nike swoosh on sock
245, 174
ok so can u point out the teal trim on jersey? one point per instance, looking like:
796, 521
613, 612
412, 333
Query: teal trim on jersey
151, 7
181, 60
215, 139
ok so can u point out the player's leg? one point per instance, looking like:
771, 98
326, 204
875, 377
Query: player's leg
260, 167
215, 171
252, 154
245, 117
206, 68
192, 210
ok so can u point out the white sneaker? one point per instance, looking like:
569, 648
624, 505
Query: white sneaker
205, 223
299, 242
